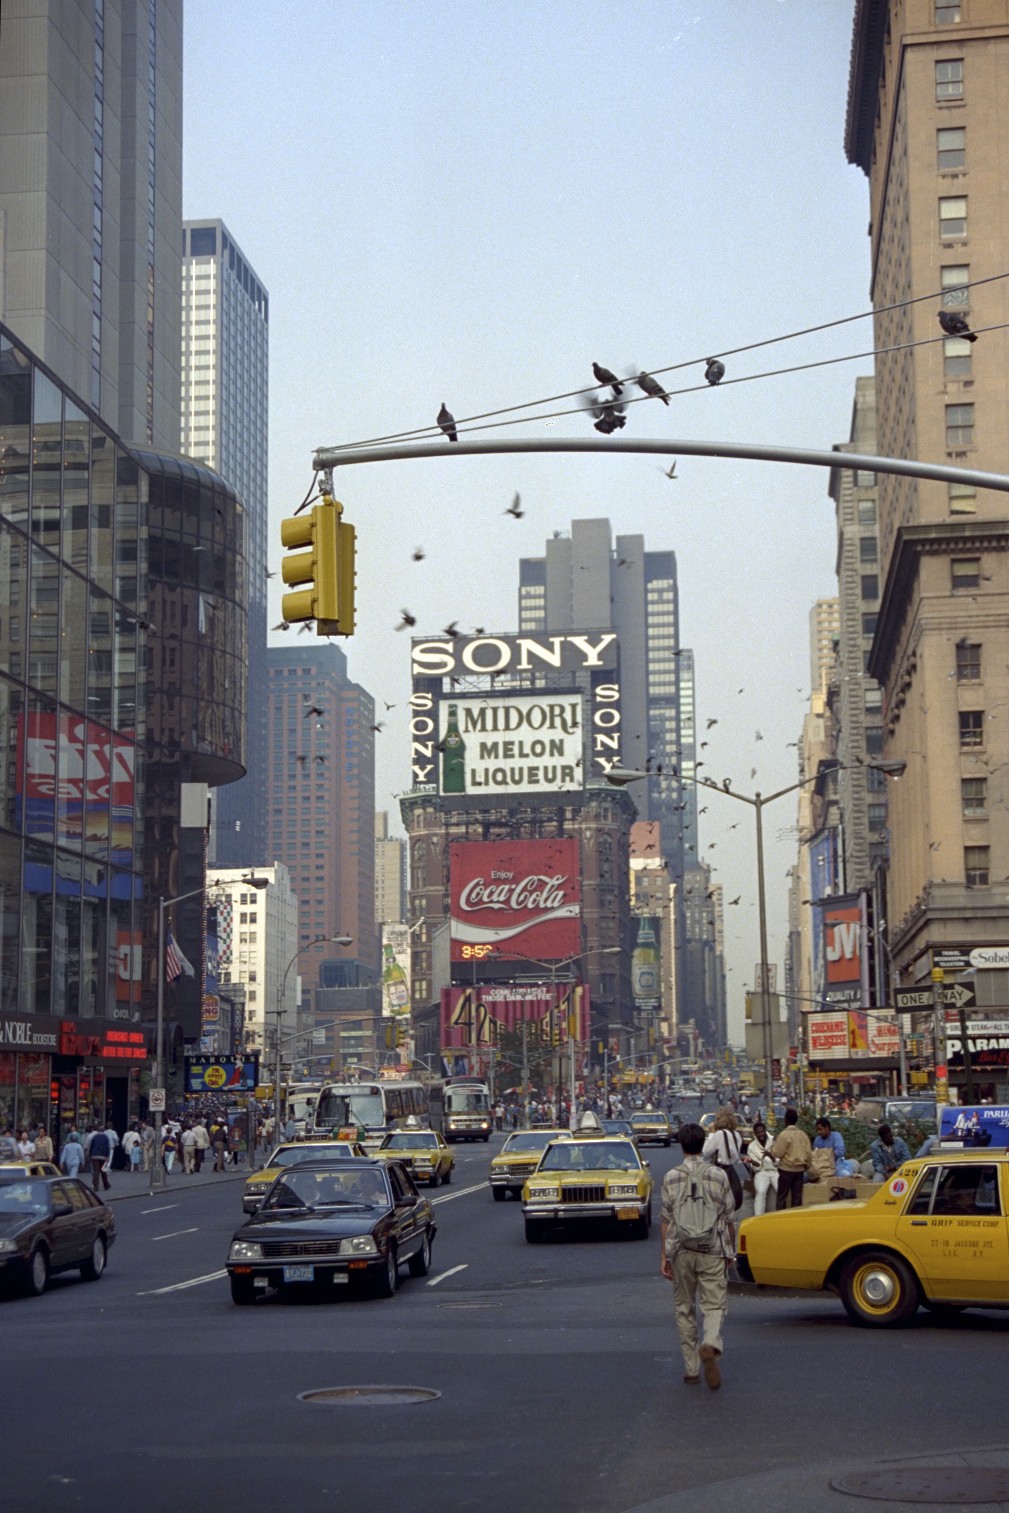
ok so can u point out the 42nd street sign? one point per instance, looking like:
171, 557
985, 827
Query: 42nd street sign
955, 995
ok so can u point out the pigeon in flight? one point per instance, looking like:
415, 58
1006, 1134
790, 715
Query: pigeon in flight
668, 472
282, 626
955, 325
515, 508
379, 726
447, 422
712, 721
302, 758
610, 416
735, 900
652, 387
388, 705
266, 570
407, 619
604, 376
314, 709
319, 757
451, 629
304, 630
418, 554
714, 371
757, 736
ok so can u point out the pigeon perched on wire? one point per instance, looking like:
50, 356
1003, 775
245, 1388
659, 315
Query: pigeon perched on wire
714, 371
604, 376
956, 325
447, 422
651, 386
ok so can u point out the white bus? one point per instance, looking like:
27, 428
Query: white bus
375, 1107
299, 1104
466, 1109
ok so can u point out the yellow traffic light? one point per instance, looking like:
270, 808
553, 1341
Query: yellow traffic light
328, 565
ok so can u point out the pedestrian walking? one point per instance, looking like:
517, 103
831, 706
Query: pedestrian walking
698, 1246
724, 1148
72, 1155
169, 1148
202, 1142
793, 1153
188, 1143
43, 1145
762, 1164
147, 1143
219, 1141
100, 1154
132, 1148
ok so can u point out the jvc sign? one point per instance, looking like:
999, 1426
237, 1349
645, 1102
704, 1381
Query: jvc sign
843, 921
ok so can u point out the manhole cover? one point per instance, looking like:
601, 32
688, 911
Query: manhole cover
956, 1485
368, 1397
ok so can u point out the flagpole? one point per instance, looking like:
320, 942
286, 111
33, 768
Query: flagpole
157, 1172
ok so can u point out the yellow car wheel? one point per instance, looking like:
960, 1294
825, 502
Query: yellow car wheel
878, 1290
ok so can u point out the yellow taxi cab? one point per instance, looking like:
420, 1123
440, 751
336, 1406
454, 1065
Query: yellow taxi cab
579, 1178
30, 1168
518, 1157
934, 1234
289, 1154
651, 1125
424, 1152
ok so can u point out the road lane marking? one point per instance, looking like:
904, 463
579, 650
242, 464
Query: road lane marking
172, 1234
163, 1208
460, 1192
451, 1273
212, 1276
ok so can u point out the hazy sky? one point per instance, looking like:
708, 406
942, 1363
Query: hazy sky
470, 203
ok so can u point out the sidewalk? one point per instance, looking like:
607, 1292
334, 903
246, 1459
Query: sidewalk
130, 1184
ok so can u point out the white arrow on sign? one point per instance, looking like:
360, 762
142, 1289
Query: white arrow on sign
958, 996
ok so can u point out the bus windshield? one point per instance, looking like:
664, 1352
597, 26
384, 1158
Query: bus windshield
459, 1102
348, 1106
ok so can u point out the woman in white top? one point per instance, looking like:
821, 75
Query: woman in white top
761, 1163
724, 1148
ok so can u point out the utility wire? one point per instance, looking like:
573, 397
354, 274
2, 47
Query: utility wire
434, 431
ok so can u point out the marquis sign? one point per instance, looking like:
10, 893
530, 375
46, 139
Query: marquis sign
585, 651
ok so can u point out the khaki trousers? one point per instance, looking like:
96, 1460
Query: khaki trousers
698, 1280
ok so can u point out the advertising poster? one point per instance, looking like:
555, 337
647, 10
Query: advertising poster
845, 971
515, 899
219, 1074
395, 971
520, 744
828, 1037
472, 1017
78, 784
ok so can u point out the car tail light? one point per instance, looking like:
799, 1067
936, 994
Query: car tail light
742, 1244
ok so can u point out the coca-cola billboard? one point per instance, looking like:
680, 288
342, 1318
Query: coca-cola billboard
515, 899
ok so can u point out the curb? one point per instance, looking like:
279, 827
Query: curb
174, 1187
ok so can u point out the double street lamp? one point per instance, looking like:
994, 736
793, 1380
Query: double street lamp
621, 776
318, 940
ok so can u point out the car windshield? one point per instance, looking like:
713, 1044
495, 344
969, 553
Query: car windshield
590, 1155
29, 1199
651, 1118
411, 1140
305, 1189
290, 1155
528, 1141
616, 1126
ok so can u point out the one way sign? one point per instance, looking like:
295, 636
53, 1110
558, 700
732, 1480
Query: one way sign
955, 995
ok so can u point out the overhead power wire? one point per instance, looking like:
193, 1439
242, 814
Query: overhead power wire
420, 432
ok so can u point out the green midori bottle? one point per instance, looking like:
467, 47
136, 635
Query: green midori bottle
453, 756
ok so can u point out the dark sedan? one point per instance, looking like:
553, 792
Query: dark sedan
328, 1223
51, 1224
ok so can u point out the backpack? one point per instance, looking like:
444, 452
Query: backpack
695, 1215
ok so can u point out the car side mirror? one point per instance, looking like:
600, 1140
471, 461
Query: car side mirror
60, 1210
648, 1164
406, 1201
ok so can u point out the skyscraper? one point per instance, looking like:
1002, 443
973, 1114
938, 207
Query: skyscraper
927, 114
91, 201
320, 802
225, 418
390, 873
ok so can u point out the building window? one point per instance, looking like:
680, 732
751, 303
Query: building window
947, 12
974, 795
874, 740
953, 281
203, 241
949, 79
956, 357
867, 512
953, 216
877, 817
976, 865
873, 698
966, 572
962, 499
870, 586
971, 728
869, 624
959, 426
868, 549
951, 147
864, 479
968, 662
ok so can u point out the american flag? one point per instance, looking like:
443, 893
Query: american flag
175, 962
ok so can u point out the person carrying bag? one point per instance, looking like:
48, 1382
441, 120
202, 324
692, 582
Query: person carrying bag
724, 1149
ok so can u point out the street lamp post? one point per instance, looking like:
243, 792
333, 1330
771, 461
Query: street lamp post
157, 1172
319, 940
553, 967
620, 776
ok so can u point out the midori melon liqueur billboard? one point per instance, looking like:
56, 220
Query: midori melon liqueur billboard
515, 899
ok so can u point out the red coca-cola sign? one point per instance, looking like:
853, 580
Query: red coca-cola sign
515, 899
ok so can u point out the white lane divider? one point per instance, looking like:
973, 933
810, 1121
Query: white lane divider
460, 1192
211, 1276
163, 1208
174, 1233
450, 1273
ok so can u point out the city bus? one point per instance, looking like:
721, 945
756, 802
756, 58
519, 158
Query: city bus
466, 1109
375, 1107
299, 1104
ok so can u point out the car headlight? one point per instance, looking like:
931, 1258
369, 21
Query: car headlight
545, 1192
245, 1250
255, 1189
8, 1247
623, 1190
358, 1245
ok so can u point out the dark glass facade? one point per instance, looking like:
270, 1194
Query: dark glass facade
122, 628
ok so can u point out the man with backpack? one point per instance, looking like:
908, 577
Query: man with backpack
698, 1246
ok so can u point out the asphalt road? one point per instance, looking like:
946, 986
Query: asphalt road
557, 1365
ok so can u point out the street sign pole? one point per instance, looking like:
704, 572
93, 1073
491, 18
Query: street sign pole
939, 1038
968, 1071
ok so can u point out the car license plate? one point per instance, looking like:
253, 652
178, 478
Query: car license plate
340, 1276
299, 1273
627, 1213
